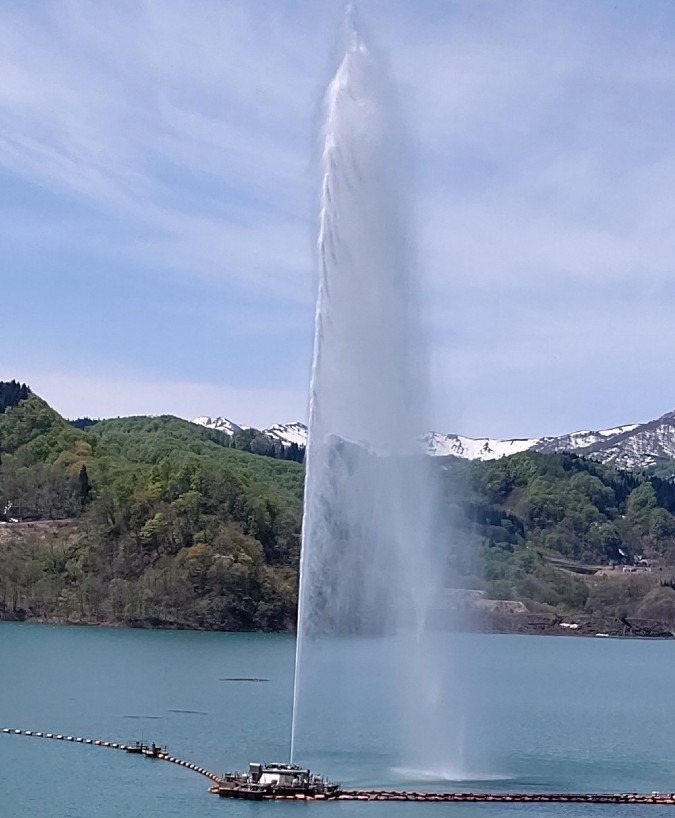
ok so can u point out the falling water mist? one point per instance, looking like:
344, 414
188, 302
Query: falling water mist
375, 548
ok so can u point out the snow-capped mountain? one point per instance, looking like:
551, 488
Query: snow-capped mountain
635, 445
285, 433
470, 448
288, 433
219, 423
581, 440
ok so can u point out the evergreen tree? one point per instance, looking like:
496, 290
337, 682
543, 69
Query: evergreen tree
12, 393
84, 486
82, 423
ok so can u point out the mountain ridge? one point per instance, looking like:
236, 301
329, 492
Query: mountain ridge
629, 446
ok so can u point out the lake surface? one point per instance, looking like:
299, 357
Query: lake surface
550, 714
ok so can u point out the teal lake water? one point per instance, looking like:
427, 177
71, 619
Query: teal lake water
554, 714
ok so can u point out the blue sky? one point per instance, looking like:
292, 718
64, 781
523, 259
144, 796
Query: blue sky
158, 187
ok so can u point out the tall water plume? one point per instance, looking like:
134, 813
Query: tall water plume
375, 550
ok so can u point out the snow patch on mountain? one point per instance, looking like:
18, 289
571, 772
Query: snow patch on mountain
618, 430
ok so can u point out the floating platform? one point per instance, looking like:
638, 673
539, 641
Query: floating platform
253, 794
275, 781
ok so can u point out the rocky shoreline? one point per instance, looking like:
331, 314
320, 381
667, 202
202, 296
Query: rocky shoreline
555, 625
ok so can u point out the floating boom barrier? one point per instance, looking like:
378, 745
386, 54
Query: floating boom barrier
149, 751
507, 798
152, 751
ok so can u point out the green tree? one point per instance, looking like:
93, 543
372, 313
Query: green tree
84, 486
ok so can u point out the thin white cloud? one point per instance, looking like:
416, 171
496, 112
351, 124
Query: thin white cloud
545, 171
124, 107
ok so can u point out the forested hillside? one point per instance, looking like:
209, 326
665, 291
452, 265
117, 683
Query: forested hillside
159, 522
562, 533
166, 524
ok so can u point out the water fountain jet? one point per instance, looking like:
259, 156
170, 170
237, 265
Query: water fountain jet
375, 547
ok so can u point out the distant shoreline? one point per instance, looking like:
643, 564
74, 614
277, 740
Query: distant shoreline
528, 624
